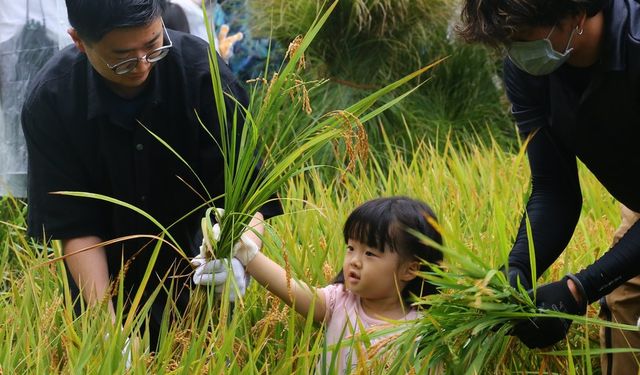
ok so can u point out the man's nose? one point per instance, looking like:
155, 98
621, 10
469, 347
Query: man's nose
142, 66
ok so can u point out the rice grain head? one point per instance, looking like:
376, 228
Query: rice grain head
328, 272
355, 139
273, 316
293, 48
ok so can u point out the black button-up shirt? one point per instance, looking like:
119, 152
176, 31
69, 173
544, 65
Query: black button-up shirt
82, 137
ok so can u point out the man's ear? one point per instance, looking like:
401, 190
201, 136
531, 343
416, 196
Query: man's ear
409, 271
76, 40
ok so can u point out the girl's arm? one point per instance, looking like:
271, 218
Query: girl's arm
293, 292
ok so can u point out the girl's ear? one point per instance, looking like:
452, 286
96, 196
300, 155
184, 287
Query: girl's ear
409, 271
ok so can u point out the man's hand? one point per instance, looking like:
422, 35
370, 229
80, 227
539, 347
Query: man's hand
215, 272
541, 332
516, 275
126, 350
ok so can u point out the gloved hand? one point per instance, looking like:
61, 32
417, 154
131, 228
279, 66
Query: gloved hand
541, 332
245, 249
216, 271
516, 275
126, 350
210, 238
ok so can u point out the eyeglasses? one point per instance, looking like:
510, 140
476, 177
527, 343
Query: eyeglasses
129, 65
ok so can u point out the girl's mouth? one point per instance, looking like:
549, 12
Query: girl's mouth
353, 276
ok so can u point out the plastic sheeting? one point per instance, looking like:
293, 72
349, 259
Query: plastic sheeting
31, 31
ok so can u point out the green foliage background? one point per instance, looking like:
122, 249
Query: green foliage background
369, 43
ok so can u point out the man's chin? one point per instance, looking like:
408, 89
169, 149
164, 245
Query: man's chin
135, 80
131, 85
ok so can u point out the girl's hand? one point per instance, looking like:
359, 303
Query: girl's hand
245, 249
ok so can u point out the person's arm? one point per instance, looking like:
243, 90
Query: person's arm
615, 267
272, 276
553, 208
293, 292
89, 269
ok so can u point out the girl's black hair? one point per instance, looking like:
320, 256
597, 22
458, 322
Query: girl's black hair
386, 223
93, 19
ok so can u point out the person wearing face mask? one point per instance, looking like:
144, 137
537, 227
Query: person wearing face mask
572, 75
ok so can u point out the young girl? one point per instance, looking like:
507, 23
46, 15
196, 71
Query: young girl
378, 278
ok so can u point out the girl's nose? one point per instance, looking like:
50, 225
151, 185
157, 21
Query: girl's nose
356, 261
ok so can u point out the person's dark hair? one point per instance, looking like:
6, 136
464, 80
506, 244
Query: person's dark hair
495, 22
174, 17
93, 19
386, 224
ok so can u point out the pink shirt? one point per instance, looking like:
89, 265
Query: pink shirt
345, 316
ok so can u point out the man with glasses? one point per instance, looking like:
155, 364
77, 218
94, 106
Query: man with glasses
572, 74
91, 119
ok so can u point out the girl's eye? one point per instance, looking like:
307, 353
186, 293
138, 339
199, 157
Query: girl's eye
369, 254
349, 248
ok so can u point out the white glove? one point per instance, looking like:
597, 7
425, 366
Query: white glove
245, 250
126, 351
216, 272
210, 239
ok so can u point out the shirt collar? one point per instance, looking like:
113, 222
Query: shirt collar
96, 103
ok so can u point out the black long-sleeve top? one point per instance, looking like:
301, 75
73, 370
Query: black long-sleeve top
591, 114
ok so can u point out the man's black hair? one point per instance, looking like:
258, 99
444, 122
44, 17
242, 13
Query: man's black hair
495, 22
92, 19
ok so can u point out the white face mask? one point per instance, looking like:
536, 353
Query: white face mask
538, 57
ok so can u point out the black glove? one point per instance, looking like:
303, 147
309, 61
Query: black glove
516, 274
541, 332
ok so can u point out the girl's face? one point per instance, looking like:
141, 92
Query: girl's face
373, 274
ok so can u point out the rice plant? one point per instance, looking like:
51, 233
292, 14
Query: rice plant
243, 147
478, 193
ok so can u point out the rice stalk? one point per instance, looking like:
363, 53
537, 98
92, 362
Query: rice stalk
478, 193
242, 145
465, 328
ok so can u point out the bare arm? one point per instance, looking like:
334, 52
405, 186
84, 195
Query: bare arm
301, 296
256, 229
272, 276
89, 269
